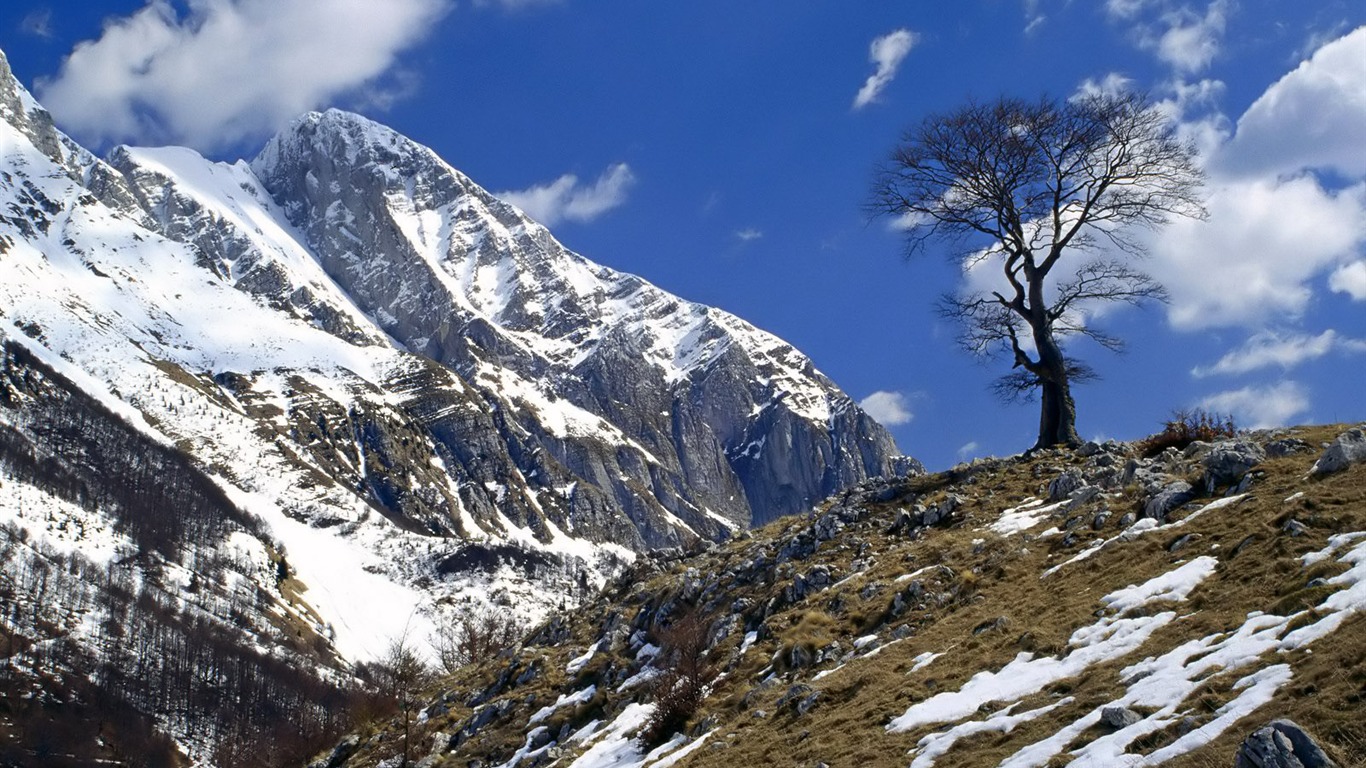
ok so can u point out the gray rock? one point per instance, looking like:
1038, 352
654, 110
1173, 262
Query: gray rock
1182, 542
1127, 519
1281, 744
1349, 448
1100, 519
794, 694
1064, 485
1083, 495
1286, 447
1228, 461
1119, 717
343, 751
1169, 498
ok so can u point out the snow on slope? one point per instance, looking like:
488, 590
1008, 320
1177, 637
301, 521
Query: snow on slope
132, 317
507, 269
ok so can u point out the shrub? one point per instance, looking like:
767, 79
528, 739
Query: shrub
483, 634
1186, 427
685, 673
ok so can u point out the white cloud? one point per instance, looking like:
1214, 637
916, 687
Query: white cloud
227, 71
565, 199
889, 408
1190, 41
1274, 226
750, 234
967, 450
887, 52
1034, 16
1269, 349
1113, 84
1183, 39
1350, 279
1311, 118
38, 23
1260, 407
1127, 9
1254, 257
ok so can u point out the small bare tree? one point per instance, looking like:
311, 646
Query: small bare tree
1026, 186
403, 675
483, 633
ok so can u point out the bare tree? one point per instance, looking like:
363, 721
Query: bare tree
1022, 186
403, 678
483, 633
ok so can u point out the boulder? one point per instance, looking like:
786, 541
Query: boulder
1169, 498
1281, 744
1119, 717
1349, 448
1228, 460
1065, 484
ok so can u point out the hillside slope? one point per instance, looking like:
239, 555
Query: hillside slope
991, 615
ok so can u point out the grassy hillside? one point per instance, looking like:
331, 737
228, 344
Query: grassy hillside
959, 619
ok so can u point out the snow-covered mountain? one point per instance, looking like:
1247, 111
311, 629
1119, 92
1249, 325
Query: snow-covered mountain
410, 396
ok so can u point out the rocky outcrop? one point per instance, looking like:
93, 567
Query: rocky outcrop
1349, 448
1281, 744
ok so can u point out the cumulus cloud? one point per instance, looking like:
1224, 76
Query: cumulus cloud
226, 71
1254, 257
1189, 41
565, 199
1260, 407
1276, 223
1269, 349
1310, 118
1183, 39
887, 52
890, 409
1350, 279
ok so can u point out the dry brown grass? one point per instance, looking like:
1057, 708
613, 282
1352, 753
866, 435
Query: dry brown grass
991, 584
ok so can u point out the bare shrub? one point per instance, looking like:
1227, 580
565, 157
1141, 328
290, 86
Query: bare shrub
483, 633
1186, 427
685, 673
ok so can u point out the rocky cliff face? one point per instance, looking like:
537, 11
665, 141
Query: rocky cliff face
720, 419
679, 418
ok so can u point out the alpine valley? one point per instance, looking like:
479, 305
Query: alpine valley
259, 420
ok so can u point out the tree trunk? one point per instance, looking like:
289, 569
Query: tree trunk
1057, 411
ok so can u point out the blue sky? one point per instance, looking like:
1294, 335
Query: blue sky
723, 150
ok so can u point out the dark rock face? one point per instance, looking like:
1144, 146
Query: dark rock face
1281, 744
